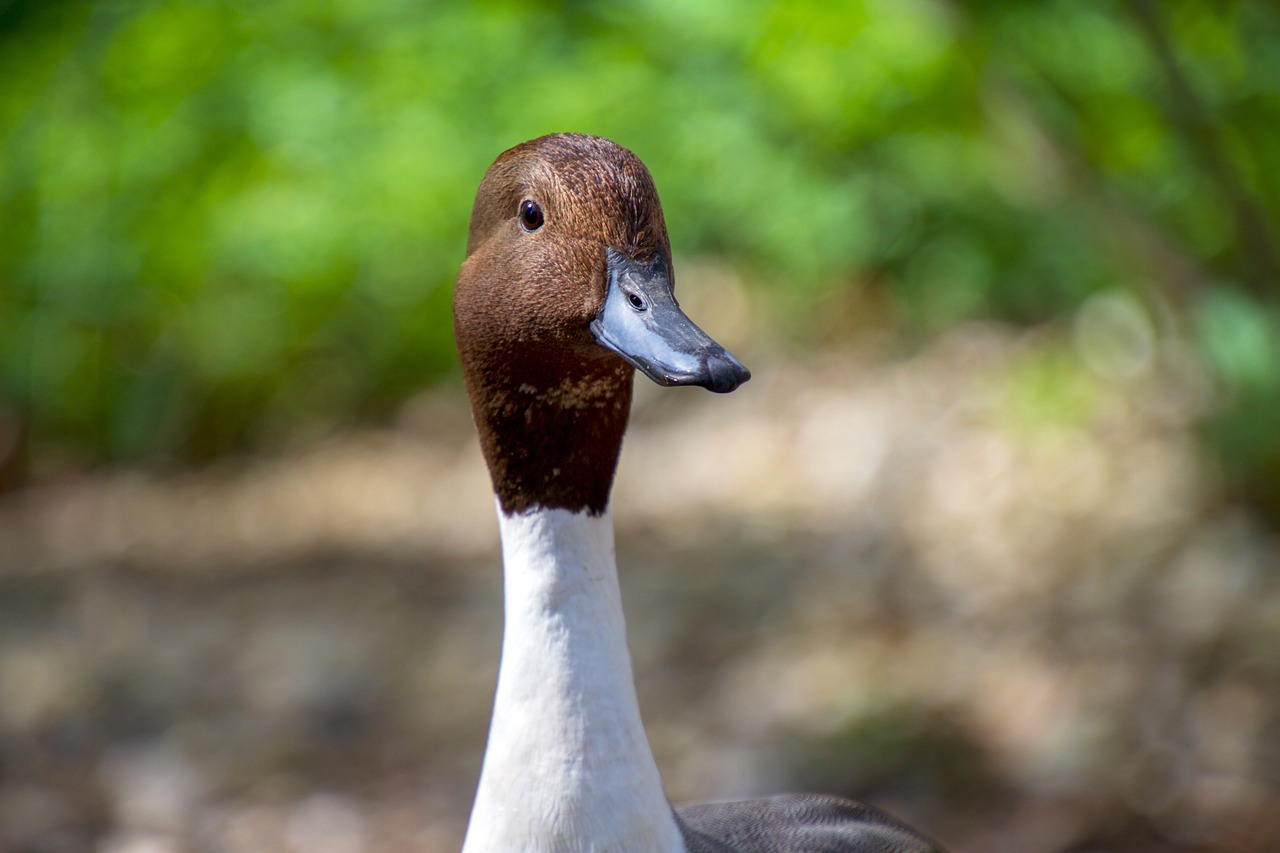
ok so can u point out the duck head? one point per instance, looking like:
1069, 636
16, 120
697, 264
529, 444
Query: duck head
566, 289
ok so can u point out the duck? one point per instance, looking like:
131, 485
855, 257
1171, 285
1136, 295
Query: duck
566, 291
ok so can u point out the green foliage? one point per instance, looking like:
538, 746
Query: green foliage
222, 220
1241, 339
1049, 390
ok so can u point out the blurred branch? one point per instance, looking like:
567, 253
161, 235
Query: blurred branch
1176, 273
1187, 110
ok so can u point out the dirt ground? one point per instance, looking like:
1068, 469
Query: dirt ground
1024, 620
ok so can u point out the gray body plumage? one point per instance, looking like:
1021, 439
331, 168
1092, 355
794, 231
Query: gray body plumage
796, 823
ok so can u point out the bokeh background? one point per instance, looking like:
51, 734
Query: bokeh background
990, 540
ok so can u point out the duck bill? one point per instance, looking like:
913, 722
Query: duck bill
642, 322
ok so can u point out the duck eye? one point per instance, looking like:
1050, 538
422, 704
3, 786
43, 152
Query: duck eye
531, 215
636, 302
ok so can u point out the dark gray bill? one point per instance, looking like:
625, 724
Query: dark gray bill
641, 322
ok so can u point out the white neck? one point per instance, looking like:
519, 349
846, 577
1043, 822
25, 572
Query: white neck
567, 767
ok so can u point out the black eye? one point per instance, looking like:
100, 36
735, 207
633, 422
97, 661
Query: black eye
530, 215
636, 302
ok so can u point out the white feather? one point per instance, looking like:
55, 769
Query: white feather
568, 767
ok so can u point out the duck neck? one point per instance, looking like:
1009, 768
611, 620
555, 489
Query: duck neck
550, 441
568, 767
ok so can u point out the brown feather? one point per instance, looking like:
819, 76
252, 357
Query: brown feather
550, 404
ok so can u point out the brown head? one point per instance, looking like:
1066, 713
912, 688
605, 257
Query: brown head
566, 286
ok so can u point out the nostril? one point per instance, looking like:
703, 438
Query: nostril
636, 301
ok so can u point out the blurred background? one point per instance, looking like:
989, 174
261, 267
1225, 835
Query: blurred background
990, 540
